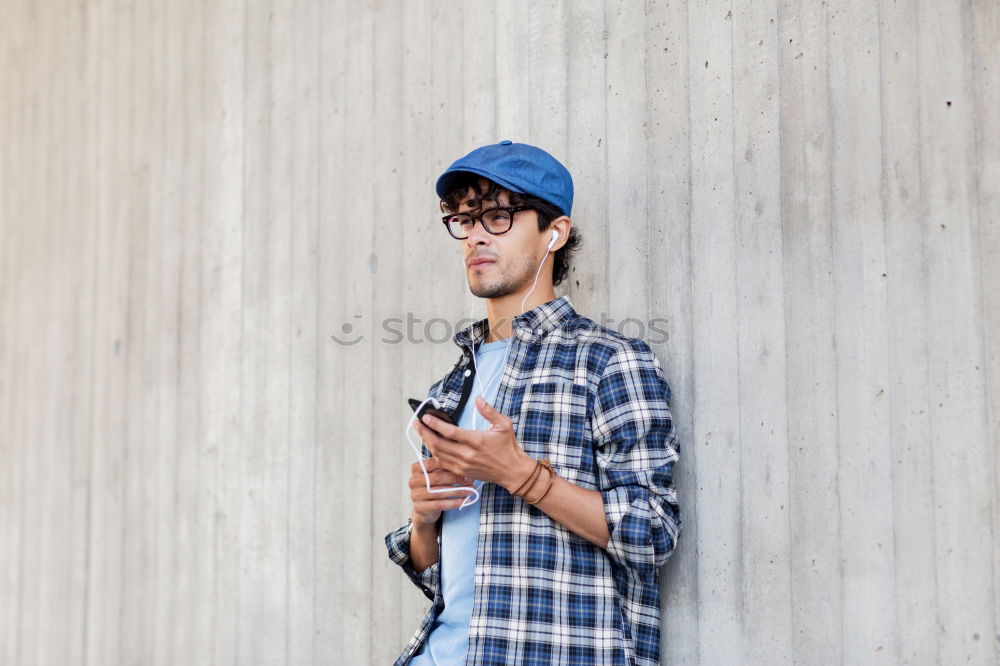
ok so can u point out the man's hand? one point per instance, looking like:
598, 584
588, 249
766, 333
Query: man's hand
492, 455
427, 506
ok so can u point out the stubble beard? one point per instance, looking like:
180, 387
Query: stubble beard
504, 283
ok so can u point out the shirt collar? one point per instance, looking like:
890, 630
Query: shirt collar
529, 326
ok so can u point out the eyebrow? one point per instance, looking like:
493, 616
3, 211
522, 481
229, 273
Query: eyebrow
481, 208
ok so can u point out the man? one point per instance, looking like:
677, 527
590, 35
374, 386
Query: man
564, 430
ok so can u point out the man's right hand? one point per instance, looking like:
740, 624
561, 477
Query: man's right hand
427, 506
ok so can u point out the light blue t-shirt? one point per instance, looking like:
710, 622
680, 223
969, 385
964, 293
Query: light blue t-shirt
447, 643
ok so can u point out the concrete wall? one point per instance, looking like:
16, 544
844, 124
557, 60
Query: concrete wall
196, 194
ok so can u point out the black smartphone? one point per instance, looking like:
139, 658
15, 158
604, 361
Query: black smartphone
429, 409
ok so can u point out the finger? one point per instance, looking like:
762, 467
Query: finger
498, 420
418, 481
426, 433
436, 442
445, 478
438, 477
453, 456
453, 494
446, 492
432, 506
441, 427
429, 463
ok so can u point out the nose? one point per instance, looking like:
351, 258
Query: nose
478, 235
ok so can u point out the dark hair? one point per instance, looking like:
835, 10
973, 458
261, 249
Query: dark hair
547, 212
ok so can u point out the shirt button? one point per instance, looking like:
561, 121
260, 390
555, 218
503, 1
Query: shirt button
468, 372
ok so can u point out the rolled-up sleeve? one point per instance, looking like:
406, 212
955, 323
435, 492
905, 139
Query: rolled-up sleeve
636, 452
397, 543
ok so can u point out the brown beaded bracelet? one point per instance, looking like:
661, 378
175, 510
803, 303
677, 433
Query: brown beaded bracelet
528, 482
552, 479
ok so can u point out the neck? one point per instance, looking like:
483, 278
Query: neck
501, 311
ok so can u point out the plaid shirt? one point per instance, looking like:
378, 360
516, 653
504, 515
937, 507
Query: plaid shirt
594, 403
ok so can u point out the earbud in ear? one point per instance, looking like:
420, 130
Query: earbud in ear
555, 237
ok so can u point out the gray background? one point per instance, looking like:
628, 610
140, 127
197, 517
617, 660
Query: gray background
196, 194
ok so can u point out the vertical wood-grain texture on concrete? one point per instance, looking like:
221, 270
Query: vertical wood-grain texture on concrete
222, 273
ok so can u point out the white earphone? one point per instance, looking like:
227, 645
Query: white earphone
555, 237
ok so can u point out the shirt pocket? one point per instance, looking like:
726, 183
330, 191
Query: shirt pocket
554, 424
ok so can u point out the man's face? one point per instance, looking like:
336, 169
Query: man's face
512, 257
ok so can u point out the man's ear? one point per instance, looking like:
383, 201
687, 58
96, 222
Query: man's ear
562, 224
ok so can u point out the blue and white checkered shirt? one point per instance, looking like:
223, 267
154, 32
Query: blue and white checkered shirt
595, 403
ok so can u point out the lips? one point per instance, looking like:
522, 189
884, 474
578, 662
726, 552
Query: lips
480, 262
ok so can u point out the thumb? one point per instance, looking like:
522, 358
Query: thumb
490, 414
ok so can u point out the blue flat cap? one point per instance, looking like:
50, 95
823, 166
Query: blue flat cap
517, 167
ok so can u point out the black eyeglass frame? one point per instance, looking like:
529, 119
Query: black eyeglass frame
511, 210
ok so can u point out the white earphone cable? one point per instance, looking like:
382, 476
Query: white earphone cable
482, 391
420, 458
474, 497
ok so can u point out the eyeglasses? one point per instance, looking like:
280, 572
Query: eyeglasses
495, 220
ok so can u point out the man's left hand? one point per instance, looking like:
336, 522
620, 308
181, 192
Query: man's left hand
487, 455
